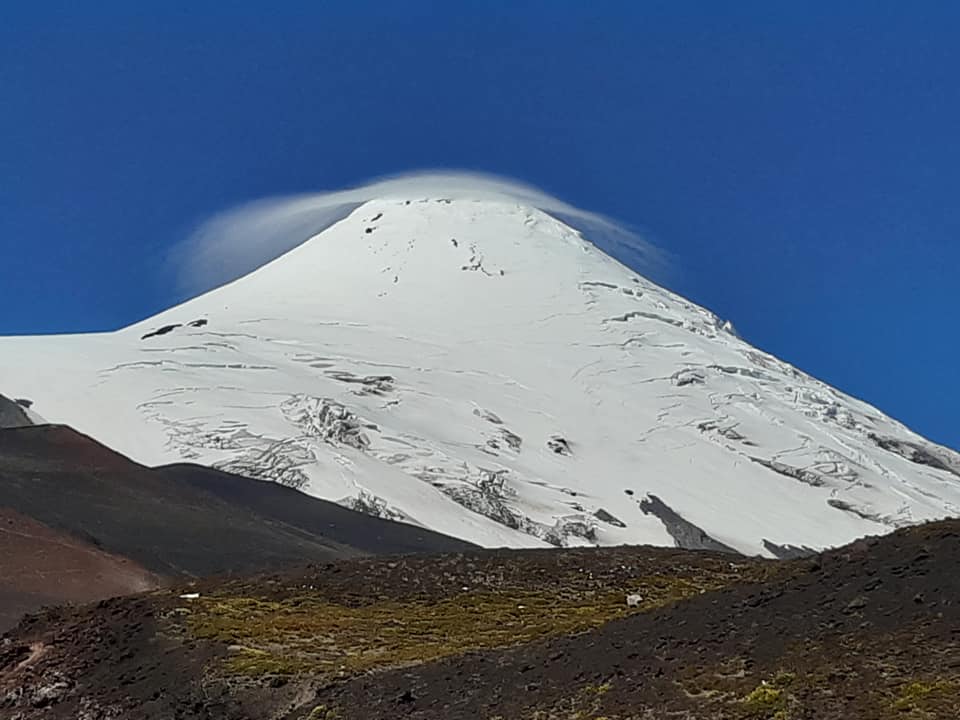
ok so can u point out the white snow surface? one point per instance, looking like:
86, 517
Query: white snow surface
482, 369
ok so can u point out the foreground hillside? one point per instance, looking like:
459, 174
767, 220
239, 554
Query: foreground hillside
79, 522
866, 631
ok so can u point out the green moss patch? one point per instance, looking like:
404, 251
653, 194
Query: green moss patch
311, 634
770, 699
928, 698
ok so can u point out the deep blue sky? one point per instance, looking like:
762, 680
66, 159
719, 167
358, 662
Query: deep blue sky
801, 161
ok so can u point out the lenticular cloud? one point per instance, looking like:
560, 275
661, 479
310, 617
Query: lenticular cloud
240, 240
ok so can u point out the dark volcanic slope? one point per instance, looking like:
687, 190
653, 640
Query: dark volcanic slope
174, 522
868, 632
316, 517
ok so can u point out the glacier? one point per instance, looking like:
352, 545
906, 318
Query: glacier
480, 367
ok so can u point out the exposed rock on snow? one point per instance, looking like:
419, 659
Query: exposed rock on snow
685, 534
559, 445
603, 516
13, 414
163, 330
938, 458
788, 552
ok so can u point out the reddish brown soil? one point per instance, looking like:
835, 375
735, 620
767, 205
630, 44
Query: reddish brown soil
40, 566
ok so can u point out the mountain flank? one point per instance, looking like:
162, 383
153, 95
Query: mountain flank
79, 522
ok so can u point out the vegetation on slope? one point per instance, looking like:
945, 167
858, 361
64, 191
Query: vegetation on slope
298, 630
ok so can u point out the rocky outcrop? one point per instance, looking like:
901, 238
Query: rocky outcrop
685, 534
13, 414
936, 457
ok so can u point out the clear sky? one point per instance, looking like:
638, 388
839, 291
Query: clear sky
799, 160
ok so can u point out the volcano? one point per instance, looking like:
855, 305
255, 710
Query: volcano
480, 368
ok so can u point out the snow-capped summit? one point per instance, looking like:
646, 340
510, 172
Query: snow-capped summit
480, 368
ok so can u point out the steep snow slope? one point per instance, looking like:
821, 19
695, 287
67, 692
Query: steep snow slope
482, 369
